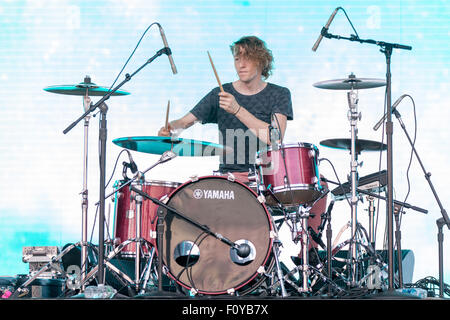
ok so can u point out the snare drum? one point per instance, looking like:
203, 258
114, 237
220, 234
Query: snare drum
199, 261
291, 173
125, 213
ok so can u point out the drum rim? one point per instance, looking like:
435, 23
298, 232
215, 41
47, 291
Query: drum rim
267, 257
290, 145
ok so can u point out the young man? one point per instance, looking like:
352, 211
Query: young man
245, 110
246, 113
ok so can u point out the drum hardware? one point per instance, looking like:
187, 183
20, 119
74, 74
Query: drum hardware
386, 49
353, 84
280, 172
102, 147
441, 221
240, 248
138, 241
85, 89
196, 253
371, 210
371, 236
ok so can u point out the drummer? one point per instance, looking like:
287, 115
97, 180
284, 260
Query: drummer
249, 112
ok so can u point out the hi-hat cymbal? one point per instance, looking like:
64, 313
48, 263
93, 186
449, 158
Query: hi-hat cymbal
350, 83
360, 144
180, 146
84, 88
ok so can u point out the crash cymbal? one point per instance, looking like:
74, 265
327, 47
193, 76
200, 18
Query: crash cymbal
180, 146
361, 145
84, 88
350, 83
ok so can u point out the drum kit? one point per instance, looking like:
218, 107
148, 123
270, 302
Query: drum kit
215, 235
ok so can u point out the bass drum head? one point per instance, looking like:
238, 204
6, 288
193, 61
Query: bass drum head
199, 261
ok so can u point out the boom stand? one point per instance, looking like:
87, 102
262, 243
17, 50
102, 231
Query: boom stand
386, 48
102, 139
440, 222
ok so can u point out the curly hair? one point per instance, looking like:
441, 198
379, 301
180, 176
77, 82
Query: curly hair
255, 49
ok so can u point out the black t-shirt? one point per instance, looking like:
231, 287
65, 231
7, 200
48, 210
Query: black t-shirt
232, 132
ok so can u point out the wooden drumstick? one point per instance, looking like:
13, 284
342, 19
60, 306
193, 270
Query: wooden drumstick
167, 115
215, 72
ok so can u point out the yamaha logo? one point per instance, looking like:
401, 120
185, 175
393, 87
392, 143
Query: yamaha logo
213, 194
198, 194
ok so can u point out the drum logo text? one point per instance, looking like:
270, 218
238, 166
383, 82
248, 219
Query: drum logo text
213, 194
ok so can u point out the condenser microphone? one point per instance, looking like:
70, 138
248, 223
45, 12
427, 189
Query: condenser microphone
396, 103
324, 29
169, 53
133, 166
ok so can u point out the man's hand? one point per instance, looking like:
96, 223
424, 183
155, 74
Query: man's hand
228, 103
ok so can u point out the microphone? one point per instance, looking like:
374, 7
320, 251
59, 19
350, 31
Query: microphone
169, 53
132, 165
327, 214
396, 103
243, 250
274, 133
325, 29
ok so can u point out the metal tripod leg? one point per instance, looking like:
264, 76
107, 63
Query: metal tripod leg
275, 248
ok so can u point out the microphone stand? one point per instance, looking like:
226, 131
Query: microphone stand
387, 49
441, 221
102, 138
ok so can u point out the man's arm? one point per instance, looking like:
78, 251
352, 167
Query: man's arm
183, 123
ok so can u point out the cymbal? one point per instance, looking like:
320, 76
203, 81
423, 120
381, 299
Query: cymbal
361, 145
83, 88
350, 83
180, 146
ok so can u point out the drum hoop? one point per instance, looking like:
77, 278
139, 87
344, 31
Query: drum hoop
299, 186
269, 250
289, 145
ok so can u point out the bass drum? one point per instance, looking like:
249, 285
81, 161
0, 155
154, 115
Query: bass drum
200, 262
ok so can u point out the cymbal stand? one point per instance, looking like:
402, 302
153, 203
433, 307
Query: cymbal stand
102, 142
84, 204
353, 117
137, 221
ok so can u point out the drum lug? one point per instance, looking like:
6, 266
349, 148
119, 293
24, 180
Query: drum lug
164, 199
314, 180
153, 234
230, 291
261, 270
130, 214
231, 177
261, 198
193, 292
312, 154
272, 234
194, 178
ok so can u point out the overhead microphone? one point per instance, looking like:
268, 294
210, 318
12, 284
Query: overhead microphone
325, 29
169, 53
133, 166
396, 103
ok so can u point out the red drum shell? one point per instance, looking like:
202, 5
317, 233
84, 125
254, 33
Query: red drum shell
125, 213
291, 172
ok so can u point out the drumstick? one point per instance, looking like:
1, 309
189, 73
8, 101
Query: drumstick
215, 72
167, 115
